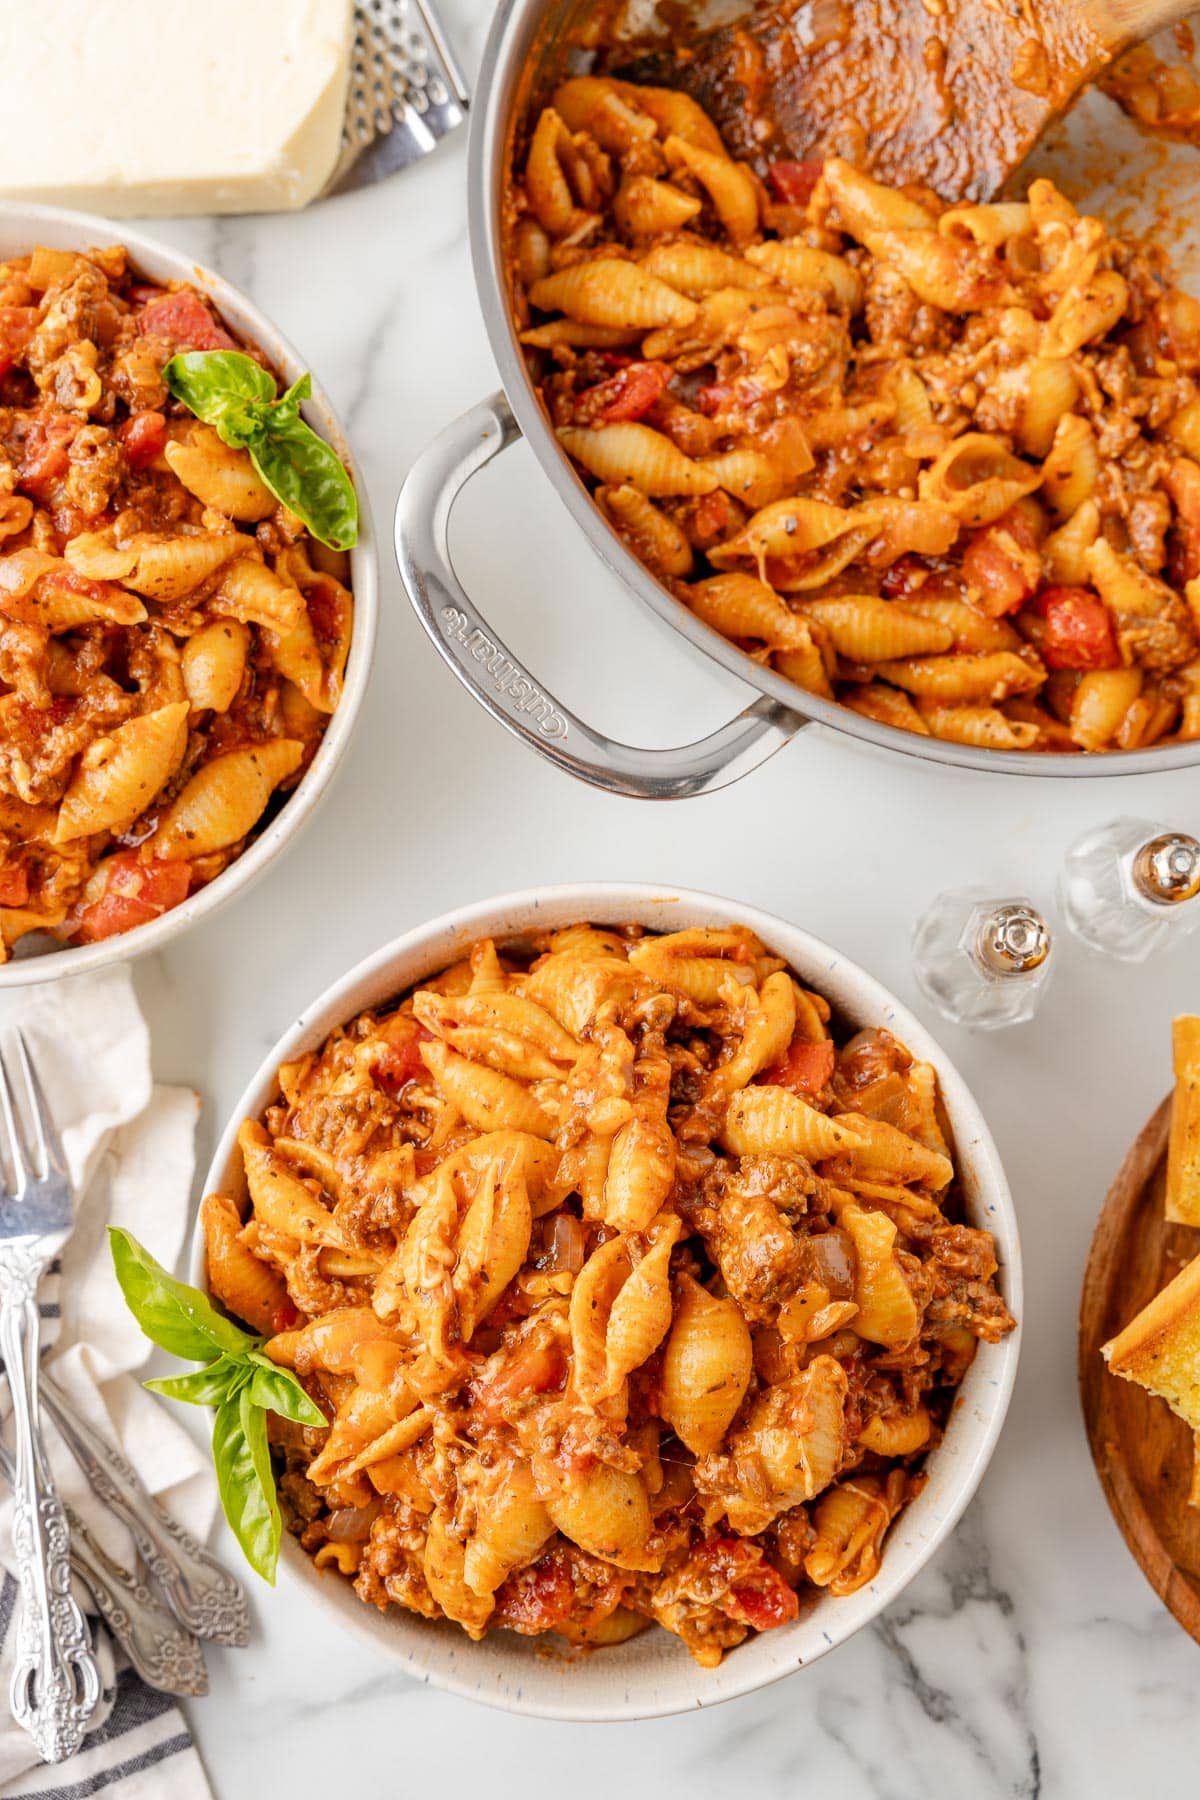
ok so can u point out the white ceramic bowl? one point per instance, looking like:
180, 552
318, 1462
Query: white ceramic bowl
21, 228
653, 1674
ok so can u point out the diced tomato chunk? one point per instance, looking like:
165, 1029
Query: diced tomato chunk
284, 1317
713, 516
44, 458
14, 886
1002, 565
805, 1068
534, 1367
143, 437
399, 1061
1079, 631
134, 893
537, 1598
794, 182
626, 395
17, 325
184, 320
764, 1601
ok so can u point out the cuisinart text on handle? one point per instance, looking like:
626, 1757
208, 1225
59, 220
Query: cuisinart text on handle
507, 677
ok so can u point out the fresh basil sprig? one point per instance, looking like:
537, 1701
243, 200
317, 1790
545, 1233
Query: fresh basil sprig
236, 396
237, 1379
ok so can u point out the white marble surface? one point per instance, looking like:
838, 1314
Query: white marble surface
1031, 1659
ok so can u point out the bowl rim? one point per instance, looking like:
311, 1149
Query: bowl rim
449, 1662
152, 256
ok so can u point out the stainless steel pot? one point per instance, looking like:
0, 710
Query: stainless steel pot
526, 52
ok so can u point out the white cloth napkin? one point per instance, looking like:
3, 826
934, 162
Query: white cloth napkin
129, 1145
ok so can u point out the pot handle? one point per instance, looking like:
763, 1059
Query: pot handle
502, 684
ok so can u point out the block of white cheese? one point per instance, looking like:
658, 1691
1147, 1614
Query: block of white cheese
131, 107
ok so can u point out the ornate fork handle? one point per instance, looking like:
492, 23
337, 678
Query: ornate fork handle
55, 1683
203, 1596
164, 1654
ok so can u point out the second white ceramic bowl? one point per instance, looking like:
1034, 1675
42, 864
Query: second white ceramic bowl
653, 1674
23, 227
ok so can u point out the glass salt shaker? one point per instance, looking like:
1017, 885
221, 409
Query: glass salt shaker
1130, 887
983, 962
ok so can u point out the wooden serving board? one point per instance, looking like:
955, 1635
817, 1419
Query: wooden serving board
1142, 1451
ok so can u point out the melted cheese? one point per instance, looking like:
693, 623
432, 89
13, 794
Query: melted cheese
172, 106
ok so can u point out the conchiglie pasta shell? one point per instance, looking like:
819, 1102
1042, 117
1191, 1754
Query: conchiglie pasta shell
225, 799
219, 475
706, 1366
605, 1511
599, 1282
641, 1173
772, 1121
748, 475
797, 265
513, 1524
638, 454
445, 1576
248, 1288
796, 1430
885, 1152
611, 291
492, 1243
280, 1199
992, 675
654, 538
768, 1030
167, 568
729, 185
897, 1434
486, 1099
850, 1522
120, 775
255, 594
213, 661
866, 207
865, 629
700, 269
510, 1033
647, 208
640, 1315
978, 478
984, 726
887, 1313
785, 528
607, 110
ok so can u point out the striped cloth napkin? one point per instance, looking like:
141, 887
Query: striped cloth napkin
130, 1149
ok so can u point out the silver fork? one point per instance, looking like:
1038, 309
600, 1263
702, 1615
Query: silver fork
165, 1655
55, 1683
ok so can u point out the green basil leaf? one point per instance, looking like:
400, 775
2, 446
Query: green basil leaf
174, 1316
221, 1380
277, 1390
288, 405
307, 474
224, 388
246, 1481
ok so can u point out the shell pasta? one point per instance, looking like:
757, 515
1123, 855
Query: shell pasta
629, 1294
873, 406
172, 638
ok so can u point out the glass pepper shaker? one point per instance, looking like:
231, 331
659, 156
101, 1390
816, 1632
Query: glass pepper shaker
983, 962
1130, 887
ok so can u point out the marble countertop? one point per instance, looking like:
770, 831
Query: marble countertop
1030, 1658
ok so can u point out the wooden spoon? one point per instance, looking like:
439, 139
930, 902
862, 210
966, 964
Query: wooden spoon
952, 93
1142, 1451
